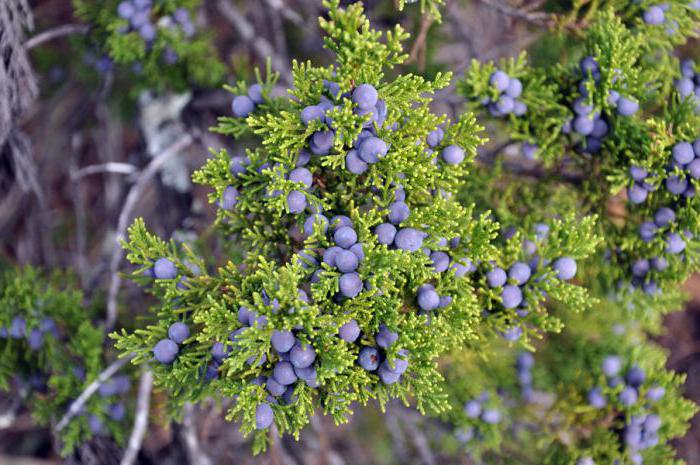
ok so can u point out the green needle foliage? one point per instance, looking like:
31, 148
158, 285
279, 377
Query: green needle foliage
51, 352
282, 275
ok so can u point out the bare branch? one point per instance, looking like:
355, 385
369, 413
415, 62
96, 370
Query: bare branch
260, 46
538, 18
78, 403
125, 216
109, 167
50, 34
194, 452
143, 404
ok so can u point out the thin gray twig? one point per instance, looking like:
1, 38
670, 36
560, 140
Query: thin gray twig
194, 452
143, 405
54, 33
125, 216
78, 403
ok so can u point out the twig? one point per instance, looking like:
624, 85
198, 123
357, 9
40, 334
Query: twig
538, 18
78, 403
260, 45
196, 456
288, 14
50, 34
125, 216
418, 49
109, 167
141, 421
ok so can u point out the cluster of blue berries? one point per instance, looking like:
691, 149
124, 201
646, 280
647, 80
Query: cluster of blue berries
243, 105
451, 154
388, 234
35, 338
139, 12
593, 125
688, 86
373, 358
664, 218
166, 350
655, 15
368, 148
428, 299
523, 365
686, 158
475, 409
345, 256
509, 89
114, 408
641, 430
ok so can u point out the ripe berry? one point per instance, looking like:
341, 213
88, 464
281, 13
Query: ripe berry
674, 243
656, 393
515, 88
519, 272
345, 237
296, 201
472, 408
263, 416
583, 125
354, 163
664, 216
636, 193
385, 337
314, 219
282, 340
453, 154
441, 261
499, 80
491, 416
330, 254
255, 93
357, 250
372, 149
511, 296
322, 142
596, 398
229, 199
302, 356
365, 96
350, 331
683, 153
398, 212
164, 269
654, 15
301, 175
350, 284
635, 376
274, 387
565, 268
312, 113
627, 107
368, 358
178, 332
496, 277
284, 373
346, 261
242, 106
628, 396
435, 137
428, 300
386, 232
125, 10
165, 351
409, 239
